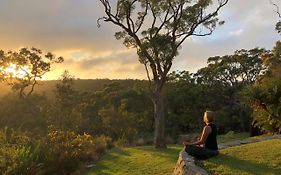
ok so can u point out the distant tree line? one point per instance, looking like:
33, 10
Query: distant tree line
234, 86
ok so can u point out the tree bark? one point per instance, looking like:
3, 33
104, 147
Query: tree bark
159, 116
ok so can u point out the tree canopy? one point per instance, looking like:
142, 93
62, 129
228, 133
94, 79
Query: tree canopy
24, 68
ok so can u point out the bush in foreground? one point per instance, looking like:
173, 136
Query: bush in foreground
66, 151
62, 152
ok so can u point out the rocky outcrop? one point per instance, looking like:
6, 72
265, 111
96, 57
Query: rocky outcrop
186, 166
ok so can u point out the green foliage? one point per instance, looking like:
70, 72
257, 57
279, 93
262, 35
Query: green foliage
278, 27
216, 87
25, 114
61, 152
265, 100
185, 104
17, 154
119, 123
65, 112
235, 70
221, 82
66, 151
265, 95
121, 113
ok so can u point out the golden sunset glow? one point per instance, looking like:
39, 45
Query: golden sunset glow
91, 52
12, 71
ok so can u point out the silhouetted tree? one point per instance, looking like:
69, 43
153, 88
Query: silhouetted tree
29, 64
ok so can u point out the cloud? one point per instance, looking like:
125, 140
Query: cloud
61, 24
68, 28
236, 32
122, 64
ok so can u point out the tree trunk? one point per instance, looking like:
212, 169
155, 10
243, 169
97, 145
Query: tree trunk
159, 116
254, 131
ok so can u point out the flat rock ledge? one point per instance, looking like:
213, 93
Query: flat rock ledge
186, 166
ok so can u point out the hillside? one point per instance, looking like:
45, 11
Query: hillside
48, 87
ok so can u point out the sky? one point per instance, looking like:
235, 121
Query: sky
68, 28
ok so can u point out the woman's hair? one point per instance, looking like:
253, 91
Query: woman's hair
209, 116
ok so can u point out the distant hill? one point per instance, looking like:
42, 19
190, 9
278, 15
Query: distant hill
48, 87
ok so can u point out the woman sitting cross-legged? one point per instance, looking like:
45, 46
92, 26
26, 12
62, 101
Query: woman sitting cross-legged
206, 146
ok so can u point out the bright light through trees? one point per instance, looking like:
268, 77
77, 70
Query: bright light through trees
14, 71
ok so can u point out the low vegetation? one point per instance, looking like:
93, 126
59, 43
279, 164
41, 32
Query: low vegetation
61, 152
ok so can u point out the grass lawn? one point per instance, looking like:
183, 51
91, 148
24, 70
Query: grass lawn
138, 161
146, 160
262, 158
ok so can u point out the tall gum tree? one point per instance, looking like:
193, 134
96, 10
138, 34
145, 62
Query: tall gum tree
157, 29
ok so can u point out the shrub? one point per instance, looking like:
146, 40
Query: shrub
121, 142
17, 155
62, 152
67, 151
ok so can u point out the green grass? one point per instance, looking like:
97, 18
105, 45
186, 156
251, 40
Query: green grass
146, 160
262, 158
138, 161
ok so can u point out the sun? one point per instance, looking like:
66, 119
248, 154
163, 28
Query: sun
13, 71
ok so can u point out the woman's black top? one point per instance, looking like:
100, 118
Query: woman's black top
211, 141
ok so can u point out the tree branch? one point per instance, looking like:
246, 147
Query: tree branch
166, 19
277, 8
143, 17
178, 29
154, 20
201, 21
116, 21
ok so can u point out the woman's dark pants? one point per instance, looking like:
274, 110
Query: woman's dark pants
200, 152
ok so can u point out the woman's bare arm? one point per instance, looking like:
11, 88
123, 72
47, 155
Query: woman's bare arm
206, 131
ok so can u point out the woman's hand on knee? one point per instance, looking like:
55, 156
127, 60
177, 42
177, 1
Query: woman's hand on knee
186, 143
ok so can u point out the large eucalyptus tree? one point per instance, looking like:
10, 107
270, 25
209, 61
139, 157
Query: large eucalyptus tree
157, 29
